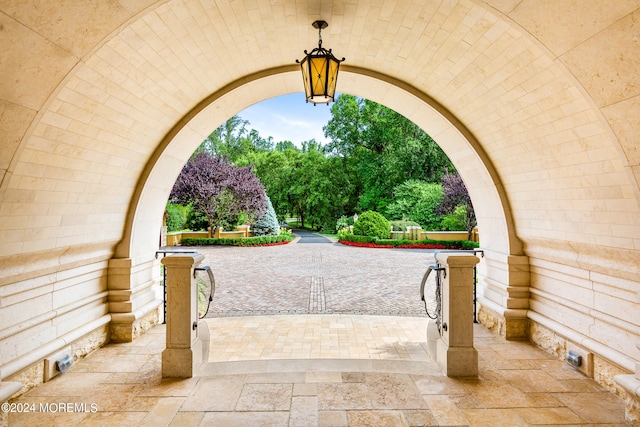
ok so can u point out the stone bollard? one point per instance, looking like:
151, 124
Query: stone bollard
184, 349
455, 352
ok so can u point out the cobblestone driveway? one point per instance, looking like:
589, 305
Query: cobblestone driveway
321, 278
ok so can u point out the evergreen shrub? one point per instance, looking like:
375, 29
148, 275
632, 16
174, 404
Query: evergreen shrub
373, 224
268, 224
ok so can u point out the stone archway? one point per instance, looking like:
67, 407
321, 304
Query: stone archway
92, 91
500, 242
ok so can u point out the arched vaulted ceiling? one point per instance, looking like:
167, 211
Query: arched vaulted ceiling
548, 90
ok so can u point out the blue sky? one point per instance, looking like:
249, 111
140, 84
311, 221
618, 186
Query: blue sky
288, 117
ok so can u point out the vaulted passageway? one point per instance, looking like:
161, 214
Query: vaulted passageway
536, 104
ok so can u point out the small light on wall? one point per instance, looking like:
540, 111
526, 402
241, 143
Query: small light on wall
63, 364
320, 71
574, 358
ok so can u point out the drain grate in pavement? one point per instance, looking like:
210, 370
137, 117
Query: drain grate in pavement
317, 301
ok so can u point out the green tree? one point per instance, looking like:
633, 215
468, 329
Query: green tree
372, 151
225, 141
417, 201
455, 221
196, 220
176, 217
384, 148
232, 140
284, 145
328, 189
304, 182
274, 168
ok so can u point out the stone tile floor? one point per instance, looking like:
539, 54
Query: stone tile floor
317, 337
391, 383
331, 336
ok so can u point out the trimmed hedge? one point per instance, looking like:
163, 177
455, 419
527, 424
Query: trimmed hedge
426, 244
373, 224
358, 239
240, 241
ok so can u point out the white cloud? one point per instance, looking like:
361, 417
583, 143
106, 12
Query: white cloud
302, 124
288, 118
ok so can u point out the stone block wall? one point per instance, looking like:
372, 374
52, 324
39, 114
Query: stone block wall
48, 309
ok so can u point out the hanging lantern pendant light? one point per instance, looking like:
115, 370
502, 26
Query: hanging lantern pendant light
320, 71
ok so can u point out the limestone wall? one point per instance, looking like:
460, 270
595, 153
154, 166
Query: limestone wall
44, 312
589, 297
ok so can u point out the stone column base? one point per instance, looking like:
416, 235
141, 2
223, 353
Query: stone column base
182, 362
512, 325
457, 361
126, 327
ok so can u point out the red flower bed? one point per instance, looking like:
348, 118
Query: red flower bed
423, 246
405, 246
364, 245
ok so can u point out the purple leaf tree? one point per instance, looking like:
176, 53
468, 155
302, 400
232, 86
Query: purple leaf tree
219, 190
456, 201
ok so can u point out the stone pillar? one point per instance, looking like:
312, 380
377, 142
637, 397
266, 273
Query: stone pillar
503, 294
183, 355
416, 233
216, 233
243, 229
134, 299
455, 352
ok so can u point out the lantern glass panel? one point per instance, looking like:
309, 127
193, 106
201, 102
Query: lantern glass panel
304, 65
318, 75
332, 77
